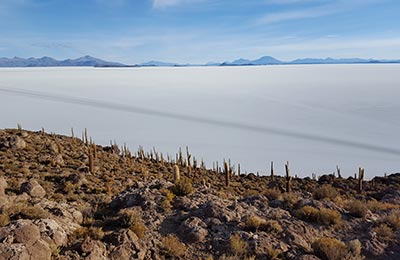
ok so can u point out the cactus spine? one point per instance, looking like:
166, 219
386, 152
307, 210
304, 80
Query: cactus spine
177, 174
288, 178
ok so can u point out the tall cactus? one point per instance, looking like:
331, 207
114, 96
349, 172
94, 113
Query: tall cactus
177, 174
360, 179
91, 161
288, 178
227, 177
272, 170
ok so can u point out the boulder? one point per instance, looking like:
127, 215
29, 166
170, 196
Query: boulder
33, 188
193, 230
17, 143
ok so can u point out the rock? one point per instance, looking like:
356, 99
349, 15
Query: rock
13, 252
17, 143
96, 249
27, 234
52, 232
193, 230
40, 250
324, 179
3, 186
128, 246
33, 188
58, 160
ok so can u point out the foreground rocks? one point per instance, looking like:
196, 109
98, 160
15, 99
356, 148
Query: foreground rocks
63, 199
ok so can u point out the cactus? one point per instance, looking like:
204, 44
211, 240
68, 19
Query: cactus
338, 172
177, 175
91, 162
360, 179
288, 178
238, 169
227, 180
272, 170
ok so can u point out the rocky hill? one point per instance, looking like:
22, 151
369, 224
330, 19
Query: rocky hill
66, 198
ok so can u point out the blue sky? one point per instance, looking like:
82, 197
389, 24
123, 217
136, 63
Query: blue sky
198, 31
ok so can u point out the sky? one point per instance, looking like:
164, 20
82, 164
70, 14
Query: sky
200, 31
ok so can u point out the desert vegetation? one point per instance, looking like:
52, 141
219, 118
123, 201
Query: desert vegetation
68, 198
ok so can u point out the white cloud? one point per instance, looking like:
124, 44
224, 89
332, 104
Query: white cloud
334, 7
159, 4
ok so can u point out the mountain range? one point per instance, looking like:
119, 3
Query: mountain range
88, 61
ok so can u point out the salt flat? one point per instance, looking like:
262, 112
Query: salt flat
355, 103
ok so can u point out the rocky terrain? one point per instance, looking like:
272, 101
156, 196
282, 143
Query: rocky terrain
67, 198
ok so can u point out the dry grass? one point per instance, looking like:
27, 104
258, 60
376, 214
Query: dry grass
357, 208
238, 246
173, 246
392, 220
323, 216
383, 231
132, 219
4, 219
254, 222
330, 249
376, 206
325, 192
183, 187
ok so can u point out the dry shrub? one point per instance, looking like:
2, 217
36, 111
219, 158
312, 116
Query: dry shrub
238, 246
329, 217
272, 226
383, 231
173, 246
325, 192
323, 216
330, 249
375, 206
272, 194
132, 219
254, 222
273, 253
95, 233
357, 208
290, 199
166, 202
355, 248
21, 211
4, 219
183, 187
308, 213
392, 220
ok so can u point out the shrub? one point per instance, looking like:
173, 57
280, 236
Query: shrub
273, 253
383, 231
238, 246
272, 226
330, 249
273, 194
173, 246
393, 220
166, 202
4, 219
325, 192
328, 217
133, 220
355, 247
95, 233
308, 213
20, 211
254, 222
357, 209
290, 199
375, 206
323, 216
183, 187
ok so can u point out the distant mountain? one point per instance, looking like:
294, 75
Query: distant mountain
266, 60
86, 61
157, 64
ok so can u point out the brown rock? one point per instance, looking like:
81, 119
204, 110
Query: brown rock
193, 230
17, 143
39, 250
33, 188
26, 234
13, 252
